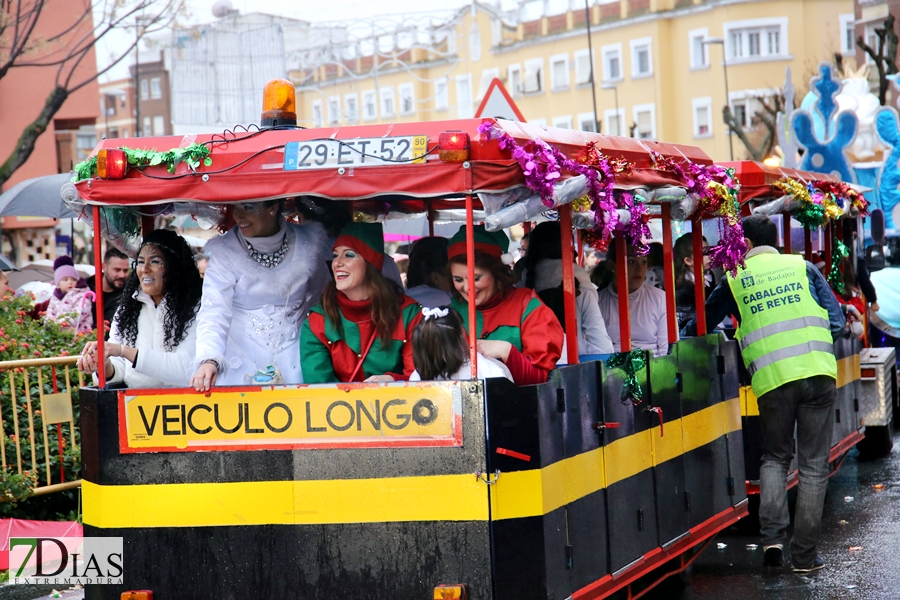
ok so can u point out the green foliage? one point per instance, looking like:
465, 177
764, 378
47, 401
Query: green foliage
192, 156
22, 338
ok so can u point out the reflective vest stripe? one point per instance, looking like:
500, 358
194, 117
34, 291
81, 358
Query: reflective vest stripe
791, 351
790, 325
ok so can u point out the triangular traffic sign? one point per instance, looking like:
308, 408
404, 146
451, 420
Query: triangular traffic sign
498, 103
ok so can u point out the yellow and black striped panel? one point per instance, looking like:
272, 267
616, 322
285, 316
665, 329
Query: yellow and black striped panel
212, 524
537, 492
388, 517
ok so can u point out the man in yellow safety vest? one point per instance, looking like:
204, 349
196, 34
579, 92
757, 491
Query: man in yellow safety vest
788, 320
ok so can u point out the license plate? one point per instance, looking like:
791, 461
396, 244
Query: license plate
373, 152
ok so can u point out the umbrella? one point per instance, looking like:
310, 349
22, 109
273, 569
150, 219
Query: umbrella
7, 265
37, 197
42, 272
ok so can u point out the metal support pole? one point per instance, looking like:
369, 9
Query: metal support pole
147, 224
699, 282
786, 232
568, 281
807, 243
470, 264
98, 269
828, 232
622, 293
669, 273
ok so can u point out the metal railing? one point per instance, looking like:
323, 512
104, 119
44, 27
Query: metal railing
55, 407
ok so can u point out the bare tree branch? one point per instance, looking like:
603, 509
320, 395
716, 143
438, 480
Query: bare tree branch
885, 58
65, 51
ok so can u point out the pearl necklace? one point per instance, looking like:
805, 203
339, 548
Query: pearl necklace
270, 261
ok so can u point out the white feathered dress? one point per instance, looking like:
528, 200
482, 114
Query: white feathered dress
250, 315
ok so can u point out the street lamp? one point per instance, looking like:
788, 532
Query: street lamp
587, 20
721, 42
612, 86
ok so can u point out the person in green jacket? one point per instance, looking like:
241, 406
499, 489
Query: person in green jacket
362, 329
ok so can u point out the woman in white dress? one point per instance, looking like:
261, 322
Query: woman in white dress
154, 331
262, 278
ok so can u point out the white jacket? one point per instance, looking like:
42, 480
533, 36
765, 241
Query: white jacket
592, 335
251, 315
156, 367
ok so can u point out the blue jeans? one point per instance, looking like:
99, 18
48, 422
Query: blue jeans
808, 403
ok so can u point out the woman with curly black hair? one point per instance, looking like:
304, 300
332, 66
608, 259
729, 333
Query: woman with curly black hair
153, 334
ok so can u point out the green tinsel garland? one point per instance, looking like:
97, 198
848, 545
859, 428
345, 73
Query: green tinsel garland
630, 363
838, 254
192, 156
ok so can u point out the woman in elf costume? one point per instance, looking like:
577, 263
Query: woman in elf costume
512, 324
362, 329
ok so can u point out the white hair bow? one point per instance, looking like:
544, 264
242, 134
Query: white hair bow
435, 313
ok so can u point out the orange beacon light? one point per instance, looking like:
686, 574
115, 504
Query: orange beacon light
279, 104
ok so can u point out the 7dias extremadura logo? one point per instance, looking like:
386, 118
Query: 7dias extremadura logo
65, 560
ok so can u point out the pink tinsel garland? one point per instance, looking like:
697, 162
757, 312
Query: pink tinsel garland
543, 164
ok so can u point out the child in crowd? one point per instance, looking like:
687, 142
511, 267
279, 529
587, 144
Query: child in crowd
72, 301
441, 351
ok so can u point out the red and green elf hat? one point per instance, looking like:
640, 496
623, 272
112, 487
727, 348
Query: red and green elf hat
494, 243
367, 239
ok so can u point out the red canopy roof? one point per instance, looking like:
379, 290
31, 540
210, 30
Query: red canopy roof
757, 179
251, 166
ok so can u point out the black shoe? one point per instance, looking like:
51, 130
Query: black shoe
773, 557
815, 565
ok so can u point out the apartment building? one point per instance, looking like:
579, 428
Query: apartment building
657, 65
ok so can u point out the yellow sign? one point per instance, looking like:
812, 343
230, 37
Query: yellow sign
342, 416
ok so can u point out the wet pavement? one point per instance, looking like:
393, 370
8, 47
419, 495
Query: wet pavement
860, 546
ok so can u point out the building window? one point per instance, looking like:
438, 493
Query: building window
641, 62
559, 72
407, 104
563, 122
370, 111
318, 118
756, 39
702, 117
487, 76
464, 108
351, 108
514, 74
474, 42
848, 34
739, 110
155, 88
534, 76
125, 133
387, 101
145, 90
159, 125
645, 121
334, 110
699, 50
85, 142
441, 97
614, 120
582, 67
148, 127
586, 122
612, 62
